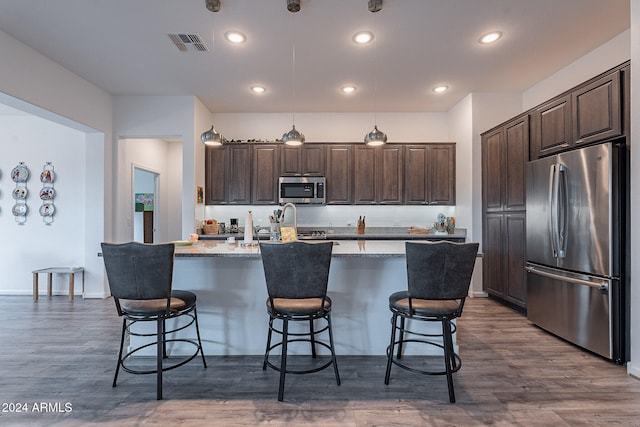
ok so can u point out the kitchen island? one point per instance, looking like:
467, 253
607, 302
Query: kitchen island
229, 282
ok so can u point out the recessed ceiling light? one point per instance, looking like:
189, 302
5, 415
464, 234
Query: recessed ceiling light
440, 88
348, 89
490, 37
363, 37
235, 37
258, 89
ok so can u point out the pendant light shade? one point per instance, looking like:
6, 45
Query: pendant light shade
293, 137
211, 137
375, 137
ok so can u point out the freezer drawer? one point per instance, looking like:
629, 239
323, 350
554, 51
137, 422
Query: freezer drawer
576, 307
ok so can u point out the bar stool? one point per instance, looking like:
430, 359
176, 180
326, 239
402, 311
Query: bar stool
297, 274
438, 278
140, 278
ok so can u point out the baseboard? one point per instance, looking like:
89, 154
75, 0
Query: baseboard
633, 370
98, 295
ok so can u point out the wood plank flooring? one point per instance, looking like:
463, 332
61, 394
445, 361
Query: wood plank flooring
62, 354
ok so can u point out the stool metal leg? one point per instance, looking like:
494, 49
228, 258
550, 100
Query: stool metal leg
400, 340
266, 352
448, 357
283, 359
390, 349
124, 328
160, 347
204, 362
312, 338
333, 352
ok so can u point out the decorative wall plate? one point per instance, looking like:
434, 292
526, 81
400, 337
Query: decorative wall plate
47, 209
47, 193
20, 192
19, 209
20, 173
47, 176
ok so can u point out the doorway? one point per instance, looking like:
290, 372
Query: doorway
145, 191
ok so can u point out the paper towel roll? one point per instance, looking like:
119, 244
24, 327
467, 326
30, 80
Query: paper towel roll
248, 228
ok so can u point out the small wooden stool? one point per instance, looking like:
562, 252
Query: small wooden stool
71, 271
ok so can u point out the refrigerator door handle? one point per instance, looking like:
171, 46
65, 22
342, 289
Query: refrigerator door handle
562, 201
552, 220
601, 285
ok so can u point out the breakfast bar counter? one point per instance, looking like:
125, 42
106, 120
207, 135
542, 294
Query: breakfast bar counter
342, 248
229, 282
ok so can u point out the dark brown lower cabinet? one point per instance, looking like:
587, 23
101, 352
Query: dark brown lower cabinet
504, 249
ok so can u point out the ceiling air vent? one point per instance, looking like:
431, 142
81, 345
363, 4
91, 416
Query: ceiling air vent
188, 42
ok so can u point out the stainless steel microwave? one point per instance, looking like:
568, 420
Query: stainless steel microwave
301, 190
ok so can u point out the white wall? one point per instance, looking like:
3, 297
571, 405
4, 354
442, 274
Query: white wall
156, 117
34, 244
33, 83
613, 53
634, 365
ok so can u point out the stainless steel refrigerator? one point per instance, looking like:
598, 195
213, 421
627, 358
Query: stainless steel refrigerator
575, 245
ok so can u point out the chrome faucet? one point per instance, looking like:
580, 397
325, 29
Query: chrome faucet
295, 215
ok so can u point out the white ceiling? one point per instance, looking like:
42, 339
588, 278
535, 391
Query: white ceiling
122, 46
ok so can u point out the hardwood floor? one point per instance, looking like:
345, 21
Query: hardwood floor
57, 353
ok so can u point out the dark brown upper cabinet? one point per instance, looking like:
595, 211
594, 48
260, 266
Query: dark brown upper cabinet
239, 175
505, 152
264, 188
355, 174
430, 174
215, 165
589, 113
553, 129
378, 174
305, 160
339, 174
596, 110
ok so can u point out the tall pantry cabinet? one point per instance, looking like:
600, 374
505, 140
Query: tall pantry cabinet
505, 152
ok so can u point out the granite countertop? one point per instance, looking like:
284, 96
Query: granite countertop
349, 233
343, 248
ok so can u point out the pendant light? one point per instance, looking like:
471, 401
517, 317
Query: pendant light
212, 137
375, 137
293, 137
